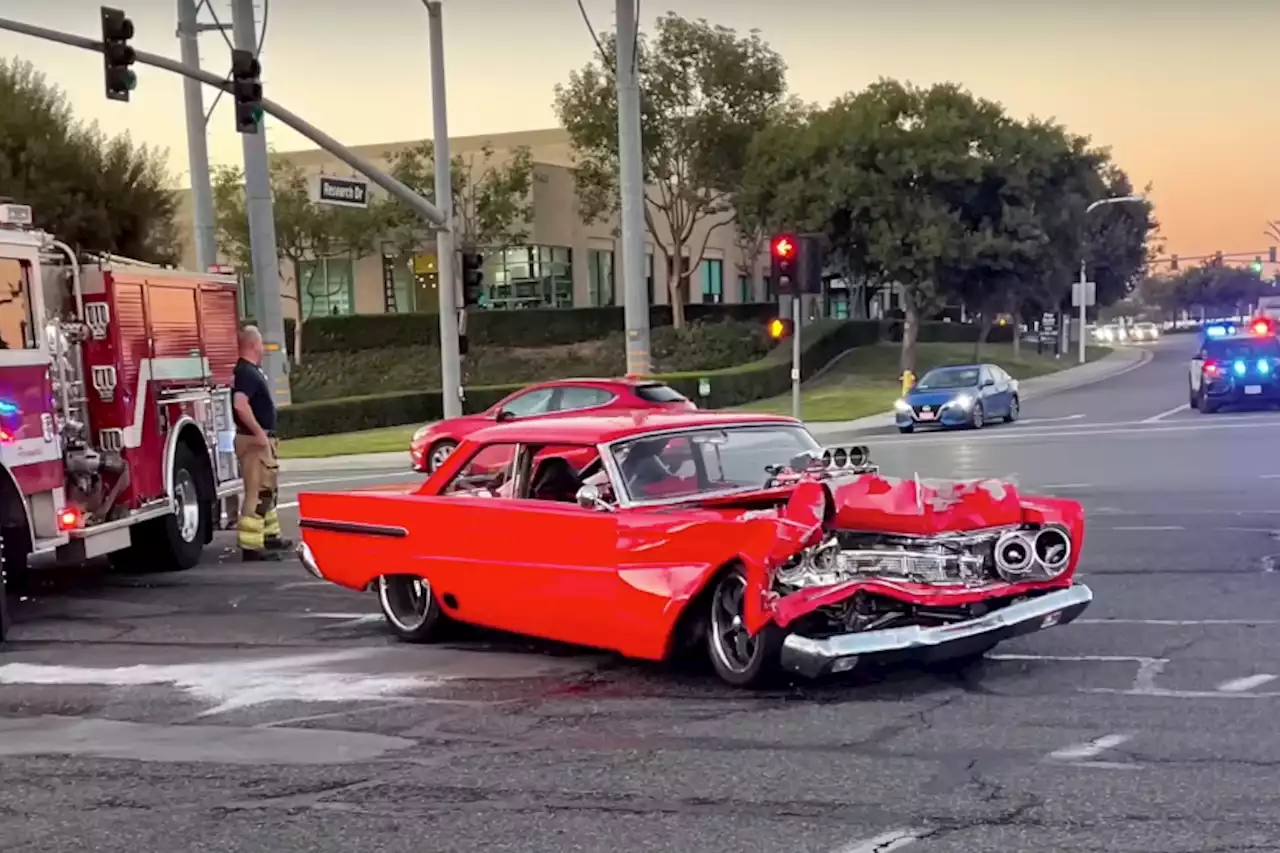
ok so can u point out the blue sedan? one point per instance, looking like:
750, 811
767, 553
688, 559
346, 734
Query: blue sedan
964, 395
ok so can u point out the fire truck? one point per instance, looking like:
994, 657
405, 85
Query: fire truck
116, 432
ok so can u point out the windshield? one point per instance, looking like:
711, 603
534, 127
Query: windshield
706, 461
1242, 348
949, 377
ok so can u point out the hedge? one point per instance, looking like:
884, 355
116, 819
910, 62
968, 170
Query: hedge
732, 386
532, 327
821, 342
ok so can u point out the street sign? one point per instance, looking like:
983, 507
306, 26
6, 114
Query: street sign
704, 387
1090, 294
343, 192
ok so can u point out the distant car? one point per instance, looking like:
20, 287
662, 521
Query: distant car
1144, 332
733, 535
1111, 334
963, 395
1234, 369
433, 443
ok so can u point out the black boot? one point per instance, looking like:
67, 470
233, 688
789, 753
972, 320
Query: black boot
260, 556
275, 543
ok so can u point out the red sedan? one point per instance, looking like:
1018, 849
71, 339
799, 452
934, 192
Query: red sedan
433, 443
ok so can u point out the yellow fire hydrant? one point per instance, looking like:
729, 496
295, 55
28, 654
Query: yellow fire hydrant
908, 379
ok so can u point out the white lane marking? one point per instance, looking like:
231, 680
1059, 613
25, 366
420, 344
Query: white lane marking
1076, 658
1089, 431
385, 475
345, 620
1179, 623
1148, 527
883, 843
1092, 749
1269, 476
1050, 420
1157, 418
1160, 693
231, 685
1249, 682
300, 584
287, 505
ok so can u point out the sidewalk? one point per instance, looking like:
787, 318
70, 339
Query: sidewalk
1119, 361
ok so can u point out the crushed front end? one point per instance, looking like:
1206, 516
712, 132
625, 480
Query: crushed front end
904, 570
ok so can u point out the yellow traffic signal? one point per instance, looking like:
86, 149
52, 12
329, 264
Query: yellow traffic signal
780, 328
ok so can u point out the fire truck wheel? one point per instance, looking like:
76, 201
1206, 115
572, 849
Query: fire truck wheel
4, 598
174, 542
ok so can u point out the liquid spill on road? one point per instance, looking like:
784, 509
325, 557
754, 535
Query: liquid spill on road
234, 685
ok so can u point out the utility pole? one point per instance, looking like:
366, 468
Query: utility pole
631, 185
197, 141
262, 229
450, 359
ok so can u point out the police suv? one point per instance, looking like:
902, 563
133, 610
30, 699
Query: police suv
1236, 366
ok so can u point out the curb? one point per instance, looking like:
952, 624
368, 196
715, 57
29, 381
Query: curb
1121, 359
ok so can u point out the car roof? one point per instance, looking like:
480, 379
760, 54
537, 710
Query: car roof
628, 381
606, 428
957, 366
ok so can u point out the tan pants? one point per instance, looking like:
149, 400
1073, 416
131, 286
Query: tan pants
259, 522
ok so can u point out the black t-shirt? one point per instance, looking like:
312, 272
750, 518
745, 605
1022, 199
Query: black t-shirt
251, 381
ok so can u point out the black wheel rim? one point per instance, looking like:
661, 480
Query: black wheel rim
979, 416
406, 601
735, 648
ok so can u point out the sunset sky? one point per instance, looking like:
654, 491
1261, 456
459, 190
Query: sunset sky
1183, 91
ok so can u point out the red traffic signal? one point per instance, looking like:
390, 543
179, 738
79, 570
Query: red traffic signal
784, 247
780, 328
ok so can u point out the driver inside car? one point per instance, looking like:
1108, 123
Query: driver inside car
644, 467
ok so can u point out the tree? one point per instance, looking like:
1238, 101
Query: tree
307, 232
94, 193
492, 201
705, 93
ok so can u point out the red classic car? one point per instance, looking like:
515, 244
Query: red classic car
735, 532
433, 442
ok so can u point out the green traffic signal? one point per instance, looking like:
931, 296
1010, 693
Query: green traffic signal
1257, 265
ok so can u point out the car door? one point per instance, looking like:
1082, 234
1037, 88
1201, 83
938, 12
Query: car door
1197, 370
988, 392
1005, 385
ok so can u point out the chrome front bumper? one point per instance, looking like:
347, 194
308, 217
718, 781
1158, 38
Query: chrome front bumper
308, 560
814, 658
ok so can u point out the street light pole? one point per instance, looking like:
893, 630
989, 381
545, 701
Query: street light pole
450, 357
631, 187
197, 140
1120, 199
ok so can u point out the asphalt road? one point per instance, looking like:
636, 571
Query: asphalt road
249, 708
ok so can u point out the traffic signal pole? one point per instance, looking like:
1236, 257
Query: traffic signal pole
796, 301
268, 300
450, 358
197, 138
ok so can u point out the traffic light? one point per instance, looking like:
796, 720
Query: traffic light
117, 55
783, 251
780, 328
1217, 259
1173, 263
1256, 266
1272, 253
246, 85
472, 278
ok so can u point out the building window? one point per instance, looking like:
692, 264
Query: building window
744, 289
17, 330
600, 275
327, 287
246, 297
713, 280
529, 277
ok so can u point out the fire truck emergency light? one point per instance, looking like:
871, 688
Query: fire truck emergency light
70, 518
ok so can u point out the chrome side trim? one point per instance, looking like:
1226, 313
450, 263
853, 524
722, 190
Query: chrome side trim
354, 527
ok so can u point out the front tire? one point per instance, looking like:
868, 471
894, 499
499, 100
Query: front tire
437, 453
906, 430
410, 608
739, 658
979, 416
1207, 406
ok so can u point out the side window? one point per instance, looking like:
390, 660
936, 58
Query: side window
485, 472
984, 376
578, 397
16, 329
532, 403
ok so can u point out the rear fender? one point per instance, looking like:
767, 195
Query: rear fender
356, 537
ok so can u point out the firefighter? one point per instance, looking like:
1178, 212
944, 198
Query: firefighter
256, 448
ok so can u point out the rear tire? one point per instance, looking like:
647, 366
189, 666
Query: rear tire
1191, 398
979, 416
1014, 410
738, 658
409, 605
1207, 406
174, 542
